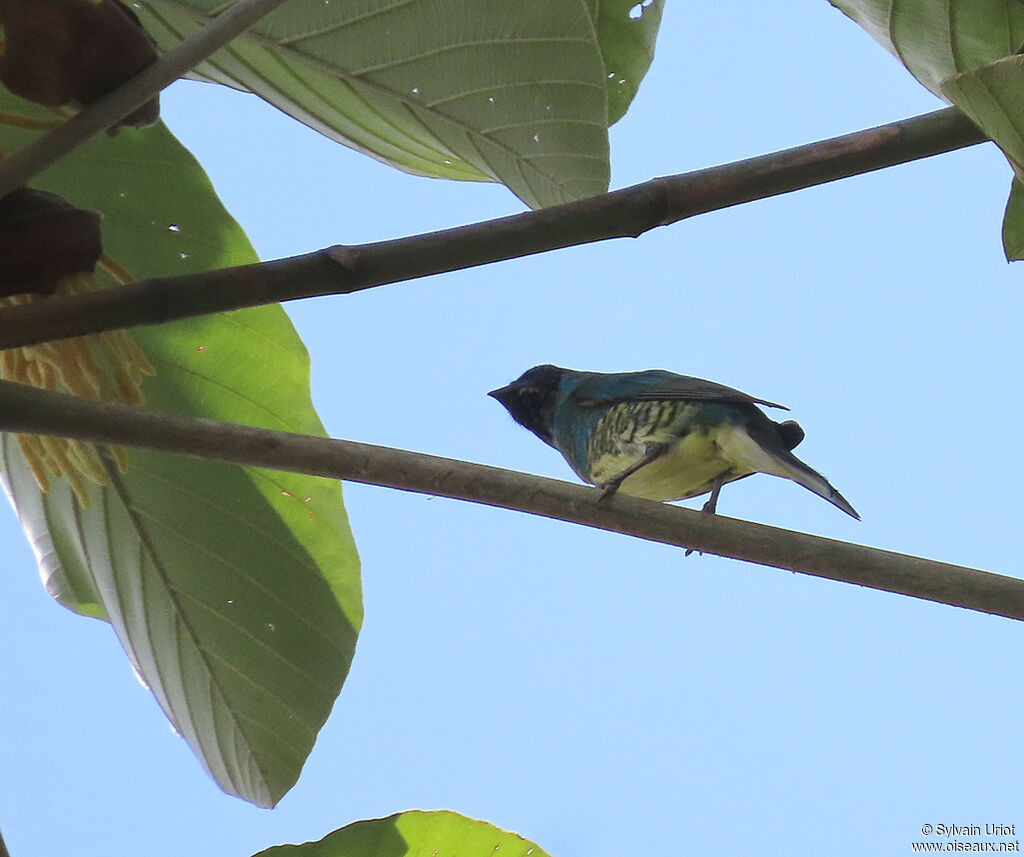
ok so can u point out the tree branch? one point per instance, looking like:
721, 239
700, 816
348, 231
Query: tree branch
623, 213
26, 409
21, 166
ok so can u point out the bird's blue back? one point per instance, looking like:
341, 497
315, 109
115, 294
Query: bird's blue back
585, 398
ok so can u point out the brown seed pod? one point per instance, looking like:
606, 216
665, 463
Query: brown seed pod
74, 51
43, 238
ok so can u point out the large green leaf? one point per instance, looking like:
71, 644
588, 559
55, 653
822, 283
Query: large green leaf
485, 90
963, 51
991, 96
936, 39
415, 834
234, 591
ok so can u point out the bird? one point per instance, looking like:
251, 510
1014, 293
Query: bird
658, 435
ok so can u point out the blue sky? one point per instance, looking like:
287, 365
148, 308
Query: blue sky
595, 693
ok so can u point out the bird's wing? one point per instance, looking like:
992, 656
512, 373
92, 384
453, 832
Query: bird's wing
599, 389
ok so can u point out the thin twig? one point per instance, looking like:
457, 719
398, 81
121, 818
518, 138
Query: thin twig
21, 166
26, 409
623, 213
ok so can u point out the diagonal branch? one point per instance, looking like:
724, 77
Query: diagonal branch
20, 167
26, 409
623, 213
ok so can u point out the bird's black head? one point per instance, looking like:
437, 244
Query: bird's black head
531, 398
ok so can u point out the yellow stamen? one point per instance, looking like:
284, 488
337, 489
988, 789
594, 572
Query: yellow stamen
31, 448
73, 365
120, 457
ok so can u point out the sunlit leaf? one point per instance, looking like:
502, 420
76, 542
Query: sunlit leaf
412, 834
234, 591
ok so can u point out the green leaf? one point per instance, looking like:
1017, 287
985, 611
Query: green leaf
481, 90
1013, 223
993, 97
964, 52
936, 39
234, 591
431, 834
627, 31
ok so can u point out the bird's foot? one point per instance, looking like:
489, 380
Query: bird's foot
708, 509
712, 503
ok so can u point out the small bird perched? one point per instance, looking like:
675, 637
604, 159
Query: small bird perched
658, 435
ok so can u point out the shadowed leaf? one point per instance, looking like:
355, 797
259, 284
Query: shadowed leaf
482, 90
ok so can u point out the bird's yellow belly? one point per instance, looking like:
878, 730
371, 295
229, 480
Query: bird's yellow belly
687, 468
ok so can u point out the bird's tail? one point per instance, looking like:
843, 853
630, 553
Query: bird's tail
814, 481
769, 455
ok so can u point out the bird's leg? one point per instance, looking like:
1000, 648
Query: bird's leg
716, 488
653, 452
712, 503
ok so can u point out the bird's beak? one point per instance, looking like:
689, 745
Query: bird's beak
502, 393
